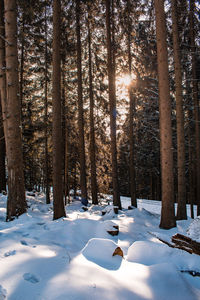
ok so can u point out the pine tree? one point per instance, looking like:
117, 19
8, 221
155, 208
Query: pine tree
181, 210
58, 204
92, 127
112, 102
83, 180
167, 213
16, 204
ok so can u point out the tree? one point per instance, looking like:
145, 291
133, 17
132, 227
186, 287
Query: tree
181, 210
196, 102
47, 188
16, 204
92, 129
131, 113
112, 103
167, 212
58, 204
2, 93
2, 154
83, 180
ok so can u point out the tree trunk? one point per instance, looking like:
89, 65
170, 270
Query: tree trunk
196, 102
83, 180
167, 213
181, 211
92, 130
46, 117
58, 204
113, 112
16, 204
2, 153
132, 181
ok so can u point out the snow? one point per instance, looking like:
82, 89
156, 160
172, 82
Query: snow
72, 258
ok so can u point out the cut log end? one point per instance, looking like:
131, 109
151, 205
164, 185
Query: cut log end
118, 251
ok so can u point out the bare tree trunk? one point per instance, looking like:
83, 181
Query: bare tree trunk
196, 102
59, 210
132, 181
92, 129
167, 213
46, 116
113, 112
16, 204
181, 211
2, 153
83, 180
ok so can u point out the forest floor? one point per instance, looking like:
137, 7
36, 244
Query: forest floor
72, 258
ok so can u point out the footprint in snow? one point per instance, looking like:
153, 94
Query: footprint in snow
10, 253
31, 278
23, 242
3, 293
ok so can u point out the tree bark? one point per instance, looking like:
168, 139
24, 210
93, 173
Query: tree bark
196, 103
181, 210
92, 129
16, 204
46, 116
2, 153
58, 203
132, 180
83, 180
167, 212
112, 103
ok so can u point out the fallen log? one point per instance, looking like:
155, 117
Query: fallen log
182, 242
186, 243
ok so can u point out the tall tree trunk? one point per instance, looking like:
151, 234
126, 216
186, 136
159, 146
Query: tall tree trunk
167, 213
113, 112
181, 211
92, 130
16, 204
46, 116
132, 181
65, 133
58, 203
196, 102
2, 152
83, 180
21, 82
2, 97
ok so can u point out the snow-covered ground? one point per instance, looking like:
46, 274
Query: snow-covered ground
72, 258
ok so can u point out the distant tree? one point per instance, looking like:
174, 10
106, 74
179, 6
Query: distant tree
92, 127
132, 180
47, 187
58, 203
83, 179
181, 211
112, 102
16, 204
167, 213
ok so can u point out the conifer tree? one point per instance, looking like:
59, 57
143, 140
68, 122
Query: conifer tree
83, 180
112, 103
16, 204
167, 212
181, 210
58, 204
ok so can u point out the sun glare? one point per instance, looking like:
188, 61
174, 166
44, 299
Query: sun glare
125, 80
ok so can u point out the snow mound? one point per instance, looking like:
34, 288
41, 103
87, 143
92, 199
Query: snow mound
148, 253
3, 293
100, 252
